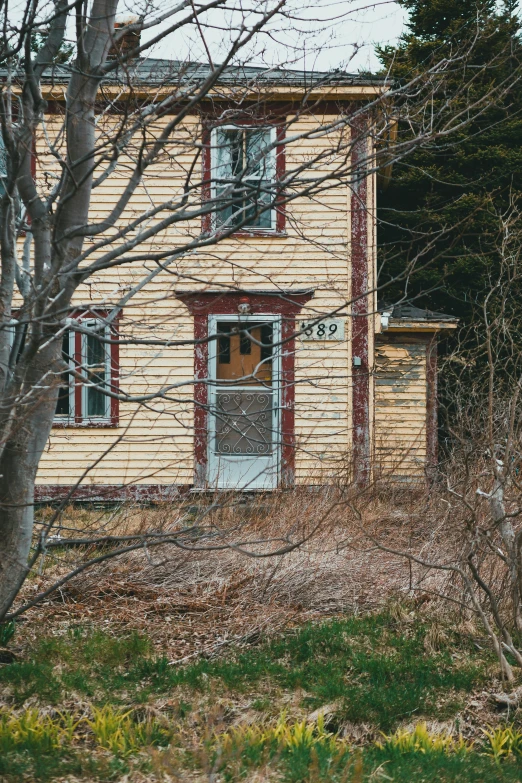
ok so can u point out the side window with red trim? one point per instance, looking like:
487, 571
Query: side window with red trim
91, 355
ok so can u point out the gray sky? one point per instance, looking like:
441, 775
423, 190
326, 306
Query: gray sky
323, 35
314, 34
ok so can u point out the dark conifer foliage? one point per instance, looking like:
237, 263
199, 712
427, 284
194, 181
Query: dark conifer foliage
438, 213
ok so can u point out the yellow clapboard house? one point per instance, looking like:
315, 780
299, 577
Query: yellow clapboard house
258, 361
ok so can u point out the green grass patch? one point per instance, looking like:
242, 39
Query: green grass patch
298, 765
7, 631
25, 765
375, 671
86, 661
112, 743
438, 768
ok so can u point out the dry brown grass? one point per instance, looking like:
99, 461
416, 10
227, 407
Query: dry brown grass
196, 600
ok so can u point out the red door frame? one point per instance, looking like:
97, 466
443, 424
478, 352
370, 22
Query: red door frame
201, 304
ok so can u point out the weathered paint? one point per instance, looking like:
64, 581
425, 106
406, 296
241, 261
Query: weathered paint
156, 445
401, 389
108, 493
203, 304
360, 261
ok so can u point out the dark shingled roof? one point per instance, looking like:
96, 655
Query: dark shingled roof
155, 72
407, 312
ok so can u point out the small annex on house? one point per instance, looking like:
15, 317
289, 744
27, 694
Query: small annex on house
261, 360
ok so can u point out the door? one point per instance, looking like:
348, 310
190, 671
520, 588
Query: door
244, 402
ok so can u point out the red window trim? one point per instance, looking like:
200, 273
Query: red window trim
279, 124
201, 304
114, 418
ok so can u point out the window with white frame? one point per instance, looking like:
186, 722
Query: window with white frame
89, 354
243, 175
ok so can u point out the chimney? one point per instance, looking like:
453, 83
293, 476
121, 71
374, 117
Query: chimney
128, 41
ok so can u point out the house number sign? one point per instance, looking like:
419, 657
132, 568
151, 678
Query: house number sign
329, 329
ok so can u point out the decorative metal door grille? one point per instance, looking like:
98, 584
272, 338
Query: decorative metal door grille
244, 422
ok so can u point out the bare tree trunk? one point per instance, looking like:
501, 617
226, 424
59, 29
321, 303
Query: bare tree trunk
507, 533
26, 430
30, 431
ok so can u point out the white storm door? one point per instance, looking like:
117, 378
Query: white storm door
244, 441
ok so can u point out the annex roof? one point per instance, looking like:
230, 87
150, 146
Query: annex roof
407, 317
408, 312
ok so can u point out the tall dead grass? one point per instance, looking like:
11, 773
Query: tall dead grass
224, 579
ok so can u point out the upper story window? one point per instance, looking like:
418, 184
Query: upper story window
243, 176
93, 362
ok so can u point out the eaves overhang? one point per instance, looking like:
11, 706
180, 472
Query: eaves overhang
158, 78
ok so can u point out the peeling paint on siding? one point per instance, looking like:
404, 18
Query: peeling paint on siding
400, 406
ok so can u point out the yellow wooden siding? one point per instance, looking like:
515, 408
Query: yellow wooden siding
400, 407
156, 440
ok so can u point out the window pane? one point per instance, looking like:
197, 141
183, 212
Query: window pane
266, 343
230, 159
260, 163
258, 157
259, 193
243, 173
63, 405
231, 214
246, 361
96, 371
230, 164
224, 349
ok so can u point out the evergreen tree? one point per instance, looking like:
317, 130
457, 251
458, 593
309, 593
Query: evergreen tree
439, 209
